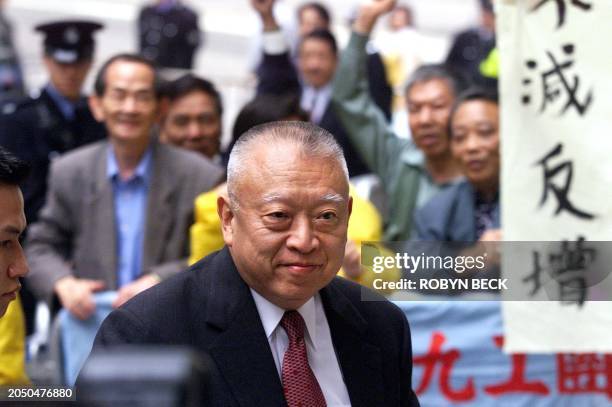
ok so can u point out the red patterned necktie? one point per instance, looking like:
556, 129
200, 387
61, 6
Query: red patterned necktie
299, 382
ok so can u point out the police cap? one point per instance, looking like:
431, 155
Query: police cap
69, 41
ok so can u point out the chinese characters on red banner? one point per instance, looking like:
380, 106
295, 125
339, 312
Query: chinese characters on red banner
576, 374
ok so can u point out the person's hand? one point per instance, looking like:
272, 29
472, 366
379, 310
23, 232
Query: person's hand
369, 13
76, 295
352, 261
491, 235
264, 9
135, 287
490, 241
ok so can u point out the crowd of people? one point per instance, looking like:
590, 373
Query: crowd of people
130, 185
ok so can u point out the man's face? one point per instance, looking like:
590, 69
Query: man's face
310, 20
316, 62
193, 122
12, 260
67, 78
429, 106
128, 106
287, 236
475, 142
399, 19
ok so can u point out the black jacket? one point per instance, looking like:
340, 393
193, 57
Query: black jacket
210, 308
35, 130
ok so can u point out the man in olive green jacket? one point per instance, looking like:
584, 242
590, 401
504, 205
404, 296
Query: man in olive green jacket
410, 170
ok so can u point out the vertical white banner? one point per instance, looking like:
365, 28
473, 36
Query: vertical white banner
556, 126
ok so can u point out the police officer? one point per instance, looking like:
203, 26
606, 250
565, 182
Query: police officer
58, 119
168, 34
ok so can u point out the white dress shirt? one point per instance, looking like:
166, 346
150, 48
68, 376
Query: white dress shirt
321, 354
315, 101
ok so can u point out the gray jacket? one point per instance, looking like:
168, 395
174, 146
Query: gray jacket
76, 230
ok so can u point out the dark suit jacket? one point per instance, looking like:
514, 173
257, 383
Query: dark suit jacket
449, 216
210, 308
277, 75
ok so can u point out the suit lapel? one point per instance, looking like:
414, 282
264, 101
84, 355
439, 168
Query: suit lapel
241, 351
103, 215
159, 217
360, 361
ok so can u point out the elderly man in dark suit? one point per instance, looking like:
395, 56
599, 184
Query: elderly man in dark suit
281, 328
117, 212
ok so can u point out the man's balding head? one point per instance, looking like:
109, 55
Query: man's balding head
309, 140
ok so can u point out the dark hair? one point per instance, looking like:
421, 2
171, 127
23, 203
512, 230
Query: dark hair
473, 93
319, 8
486, 5
266, 108
100, 82
323, 35
189, 83
13, 171
428, 72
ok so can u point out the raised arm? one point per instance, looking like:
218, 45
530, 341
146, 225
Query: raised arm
365, 123
276, 74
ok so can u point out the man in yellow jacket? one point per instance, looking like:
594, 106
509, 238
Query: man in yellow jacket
12, 346
12, 266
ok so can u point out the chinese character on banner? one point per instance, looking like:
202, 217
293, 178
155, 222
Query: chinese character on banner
565, 171
557, 83
562, 8
556, 93
568, 268
435, 356
516, 383
585, 373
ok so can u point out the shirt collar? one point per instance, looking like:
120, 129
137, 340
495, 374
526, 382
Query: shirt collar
324, 91
64, 105
271, 315
142, 170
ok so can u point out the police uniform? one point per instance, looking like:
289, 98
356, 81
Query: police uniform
169, 34
45, 125
468, 51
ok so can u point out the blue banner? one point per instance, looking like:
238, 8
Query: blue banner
458, 360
